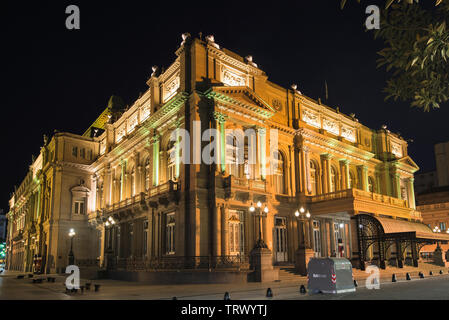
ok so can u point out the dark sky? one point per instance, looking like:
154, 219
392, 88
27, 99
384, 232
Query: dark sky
54, 78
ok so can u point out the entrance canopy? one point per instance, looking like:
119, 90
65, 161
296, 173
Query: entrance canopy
393, 228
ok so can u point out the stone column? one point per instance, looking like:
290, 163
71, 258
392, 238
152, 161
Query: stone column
299, 169
345, 180
326, 177
224, 230
220, 120
363, 176
107, 182
155, 142
306, 170
122, 179
261, 132
397, 185
411, 193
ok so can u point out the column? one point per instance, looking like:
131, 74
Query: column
363, 176
155, 141
177, 151
220, 120
93, 198
411, 193
137, 173
107, 186
122, 179
306, 164
299, 172
397, 185
344, 168
325, 167
262, 151
332, 237
224, 230
139, 179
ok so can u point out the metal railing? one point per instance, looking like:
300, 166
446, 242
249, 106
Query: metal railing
250, 184
361, 194
87, 262
180, 263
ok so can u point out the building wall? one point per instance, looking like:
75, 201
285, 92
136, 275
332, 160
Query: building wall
442, 163
140, 203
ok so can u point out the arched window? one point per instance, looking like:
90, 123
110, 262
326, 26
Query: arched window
231, 155
133, 182
171, 161
146, 173
333, 179
312, 177
351, 180
278, 173
370, 184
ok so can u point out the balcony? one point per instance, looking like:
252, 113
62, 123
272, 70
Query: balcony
245, 184
164, 193
135, 203
363, 201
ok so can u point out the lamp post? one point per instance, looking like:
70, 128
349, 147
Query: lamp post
71, 256
110, 222
258, 211
301, 215
304, 252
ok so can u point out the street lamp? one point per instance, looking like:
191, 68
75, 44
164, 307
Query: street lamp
71, 256
260, 243
299, 214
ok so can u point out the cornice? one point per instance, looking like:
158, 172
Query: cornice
334, 146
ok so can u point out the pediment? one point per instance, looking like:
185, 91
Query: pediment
408, 162
243, 97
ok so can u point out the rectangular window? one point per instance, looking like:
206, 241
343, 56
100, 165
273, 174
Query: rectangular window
78, 207
443, 226
172, 164
145, 237
170, 234
83, 153
236, 232
89, 154
75, 152
336, 237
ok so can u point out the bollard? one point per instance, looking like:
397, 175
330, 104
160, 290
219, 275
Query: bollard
430, 273
227, 296
269, 293
393, 278
96, 287
87, 286
302, 289
407, 276
355, 283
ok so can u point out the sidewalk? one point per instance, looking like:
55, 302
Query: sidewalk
125, 290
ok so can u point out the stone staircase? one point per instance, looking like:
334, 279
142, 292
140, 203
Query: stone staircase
287, 273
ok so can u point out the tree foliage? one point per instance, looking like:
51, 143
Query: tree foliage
416, 52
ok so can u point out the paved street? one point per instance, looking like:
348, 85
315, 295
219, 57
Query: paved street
432, 287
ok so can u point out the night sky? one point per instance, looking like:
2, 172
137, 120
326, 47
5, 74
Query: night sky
54, 78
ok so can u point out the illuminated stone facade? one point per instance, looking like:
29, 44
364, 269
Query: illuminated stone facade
134, 207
